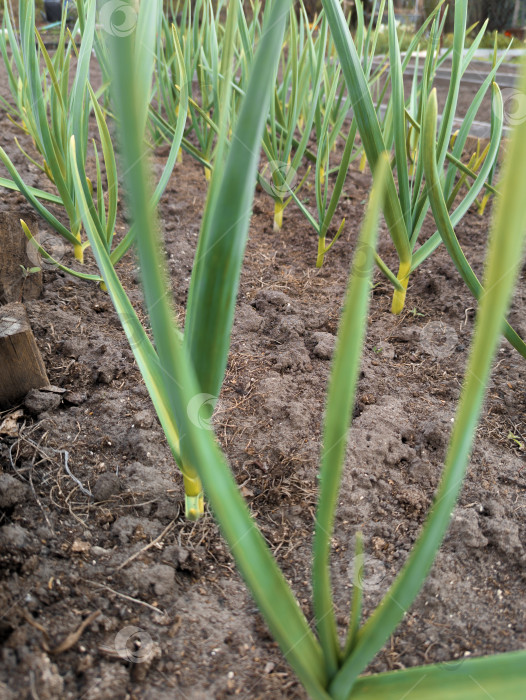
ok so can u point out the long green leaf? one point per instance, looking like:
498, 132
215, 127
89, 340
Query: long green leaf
32, 198
43, 252
340, 400
37, 105
143, 350
506, 248
500, 677
198, 445
497, 123
78, 123
444, 223
39, 194
450, 108
225, 226
399, 123
371, 135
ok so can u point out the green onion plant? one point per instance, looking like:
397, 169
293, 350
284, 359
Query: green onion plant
407, 201
49, 110
292, 110
199, 33
332, 111
52, 113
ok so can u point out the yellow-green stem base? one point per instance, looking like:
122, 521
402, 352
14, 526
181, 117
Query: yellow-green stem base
399, 296
78, 252
278, 216
321, 252
363, 162
483, 203
194, 506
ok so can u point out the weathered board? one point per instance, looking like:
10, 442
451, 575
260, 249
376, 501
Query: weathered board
21, 365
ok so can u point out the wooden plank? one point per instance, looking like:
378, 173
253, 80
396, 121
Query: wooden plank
17, 255
21, 365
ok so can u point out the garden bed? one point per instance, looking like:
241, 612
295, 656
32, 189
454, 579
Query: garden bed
192, 629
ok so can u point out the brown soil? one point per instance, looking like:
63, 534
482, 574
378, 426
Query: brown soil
192, 629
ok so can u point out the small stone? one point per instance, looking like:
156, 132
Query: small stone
75, 398
464, 528
14, 537
84, 663
12, 491
162, 577
176, 555
144, 419
38, 401
106, 486
48, 680
105, 375
80, 547
325, 343
386, 350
